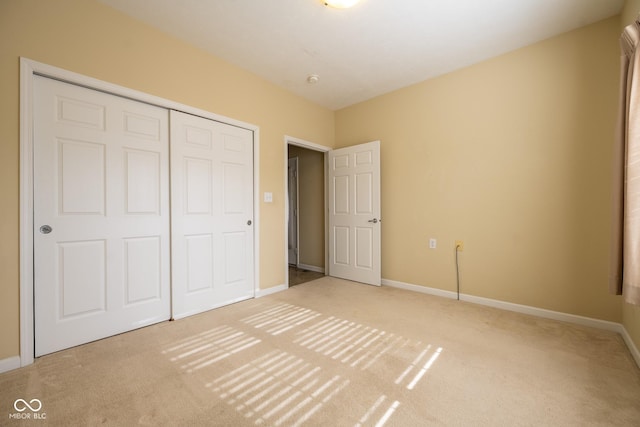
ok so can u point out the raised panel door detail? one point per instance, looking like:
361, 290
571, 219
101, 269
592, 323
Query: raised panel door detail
198, 137
212, 242
101, 182
341, 162
199, 253
143, 184
142, 126
234, 253
82, 278
363, 194
364, 158
76, 112
364, 247
233, 188
234, 143
198, 186
82, 180
142, 269
354, 213
341, 248
341, 194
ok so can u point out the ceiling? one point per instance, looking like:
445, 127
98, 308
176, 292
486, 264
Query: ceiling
374, 48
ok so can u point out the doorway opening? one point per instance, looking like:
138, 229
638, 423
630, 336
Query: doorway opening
306, 248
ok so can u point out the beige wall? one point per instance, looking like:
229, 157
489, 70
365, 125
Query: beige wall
631, 313
512, 156
630, 12
311, 202
89, 38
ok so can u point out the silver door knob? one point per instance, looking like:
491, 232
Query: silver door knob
46, 229
374, 220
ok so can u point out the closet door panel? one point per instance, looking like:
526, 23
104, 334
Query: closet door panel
212, 214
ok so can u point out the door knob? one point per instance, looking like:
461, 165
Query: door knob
46, 229
249, 222
374, 220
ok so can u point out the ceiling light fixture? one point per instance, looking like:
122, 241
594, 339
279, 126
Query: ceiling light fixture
313, 79
341, 4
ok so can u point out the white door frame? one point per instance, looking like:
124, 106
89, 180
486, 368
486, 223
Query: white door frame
296, 211
290, 140
28, 68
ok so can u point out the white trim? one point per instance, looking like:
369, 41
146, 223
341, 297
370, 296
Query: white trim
305, 144
525, 309
518, 308
541, 312
311, 268
9, 364
297, 210
256, 211
26, 212
632, 346
418, 288
28, 68
274, 289
290, 140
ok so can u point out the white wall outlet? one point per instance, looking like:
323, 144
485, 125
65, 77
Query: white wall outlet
432, 243
268, 197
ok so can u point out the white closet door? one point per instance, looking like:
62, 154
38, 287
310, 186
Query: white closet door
211, 214
101, 215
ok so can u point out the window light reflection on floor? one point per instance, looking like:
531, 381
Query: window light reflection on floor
209, 347
388, 414
281, 318
277, 388
283, 387
425, 368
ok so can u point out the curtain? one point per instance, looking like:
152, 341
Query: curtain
625, 251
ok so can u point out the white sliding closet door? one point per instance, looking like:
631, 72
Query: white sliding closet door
211, 214
101, 215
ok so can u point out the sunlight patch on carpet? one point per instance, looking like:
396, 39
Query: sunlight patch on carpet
281, 318
206, 348
277, 388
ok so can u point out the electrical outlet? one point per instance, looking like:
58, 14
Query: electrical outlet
459, 245
432, 243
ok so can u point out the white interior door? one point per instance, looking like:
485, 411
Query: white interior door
292, 190
101, 215
354, 213
211, 214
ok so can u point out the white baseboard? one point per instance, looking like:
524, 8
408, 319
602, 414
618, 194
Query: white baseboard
547, 314
9, 364
525, 309
268, 291
311, 268
518, 308
632, 346
420, 289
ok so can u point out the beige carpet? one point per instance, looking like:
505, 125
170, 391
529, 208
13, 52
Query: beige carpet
337, 353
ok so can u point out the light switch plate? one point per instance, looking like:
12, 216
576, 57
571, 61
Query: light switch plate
268, 197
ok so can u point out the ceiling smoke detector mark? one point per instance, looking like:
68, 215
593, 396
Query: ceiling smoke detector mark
313, 79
